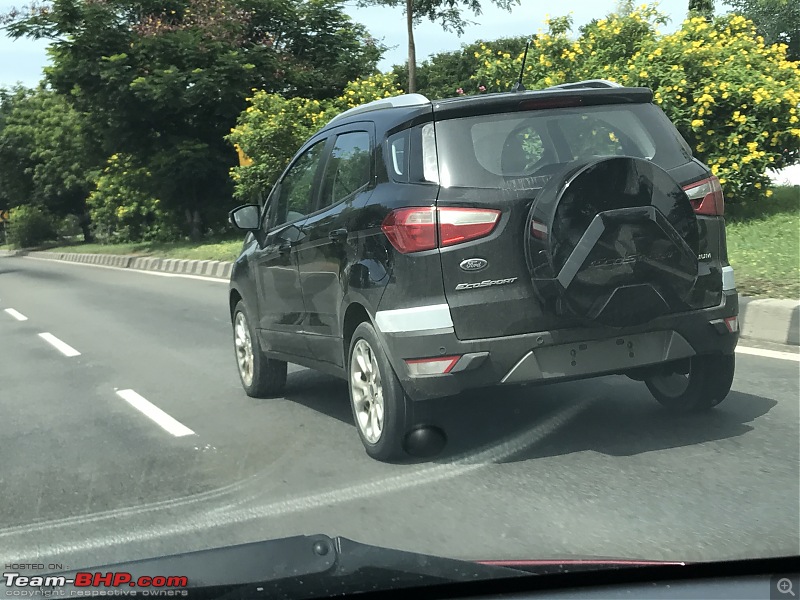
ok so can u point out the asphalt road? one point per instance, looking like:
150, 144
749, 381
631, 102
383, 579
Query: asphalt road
593, 468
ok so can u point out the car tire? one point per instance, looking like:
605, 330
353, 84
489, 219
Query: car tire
261, 377
380, 405
705, 384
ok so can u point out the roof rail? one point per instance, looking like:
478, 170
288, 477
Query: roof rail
391, 102
588, 83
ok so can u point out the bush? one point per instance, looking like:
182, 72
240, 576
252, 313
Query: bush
785, 199
121, 207
734, 99
29, 226
272, 128
69, 226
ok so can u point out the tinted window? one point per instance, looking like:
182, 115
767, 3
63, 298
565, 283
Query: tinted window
491, 150
348, 168
605, 135
295, 194
398, 156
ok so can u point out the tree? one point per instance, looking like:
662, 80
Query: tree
16, 164
47, 155
701, 8
777, 20
444, 74
273, 128
449, 13
165, 79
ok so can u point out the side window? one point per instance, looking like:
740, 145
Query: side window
398, 154
296, 187
348, 167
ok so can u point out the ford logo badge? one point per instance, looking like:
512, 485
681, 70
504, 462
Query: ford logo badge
473, 264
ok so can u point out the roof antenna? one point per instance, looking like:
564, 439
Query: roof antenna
518, 87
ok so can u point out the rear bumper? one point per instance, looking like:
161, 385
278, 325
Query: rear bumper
547, 356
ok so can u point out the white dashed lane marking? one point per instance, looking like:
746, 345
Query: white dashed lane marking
62, 347
16, 314
155, 414
768, 353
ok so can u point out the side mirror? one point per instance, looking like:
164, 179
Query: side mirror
246, 217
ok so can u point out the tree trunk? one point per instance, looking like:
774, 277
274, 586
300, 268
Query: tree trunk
194, 222
85, 223
412, 51
193, 217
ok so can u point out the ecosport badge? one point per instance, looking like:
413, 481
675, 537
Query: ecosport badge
485, 283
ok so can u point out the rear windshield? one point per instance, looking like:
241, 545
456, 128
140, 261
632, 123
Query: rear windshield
497, 150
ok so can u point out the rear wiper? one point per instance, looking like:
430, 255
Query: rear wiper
296, 567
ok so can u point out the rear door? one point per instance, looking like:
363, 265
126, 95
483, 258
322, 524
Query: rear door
325, 250
501, 161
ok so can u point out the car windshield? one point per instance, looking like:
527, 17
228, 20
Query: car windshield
446, 277
493, 150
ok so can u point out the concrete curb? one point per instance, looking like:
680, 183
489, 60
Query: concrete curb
765, 319
206, 268
770, 320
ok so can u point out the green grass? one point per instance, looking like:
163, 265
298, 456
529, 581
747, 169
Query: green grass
220, 250
784, 199
765, 255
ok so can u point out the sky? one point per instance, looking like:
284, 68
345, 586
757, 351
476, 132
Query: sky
21, 61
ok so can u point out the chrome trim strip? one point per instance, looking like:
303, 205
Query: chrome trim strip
419, 318
728, 282
517, 366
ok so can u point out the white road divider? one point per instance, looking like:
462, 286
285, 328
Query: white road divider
62, 347
155, 414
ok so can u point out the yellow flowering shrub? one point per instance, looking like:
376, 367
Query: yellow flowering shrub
272, 128
120, 207
734, 99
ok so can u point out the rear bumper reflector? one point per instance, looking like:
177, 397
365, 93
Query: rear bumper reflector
726, 325
438, 365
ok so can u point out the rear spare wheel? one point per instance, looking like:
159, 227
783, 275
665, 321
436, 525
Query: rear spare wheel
613, 241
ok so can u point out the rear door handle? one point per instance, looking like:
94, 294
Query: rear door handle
338, 235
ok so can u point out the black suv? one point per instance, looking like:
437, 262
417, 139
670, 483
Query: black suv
419, 248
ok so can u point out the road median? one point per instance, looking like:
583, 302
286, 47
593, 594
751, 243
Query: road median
207, 268
763, 319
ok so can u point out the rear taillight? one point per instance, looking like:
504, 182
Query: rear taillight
706, 196
432, 366
425, 228
411, 229
458, 225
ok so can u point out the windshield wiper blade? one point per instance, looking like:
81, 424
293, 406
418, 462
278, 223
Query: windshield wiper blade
301, 567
